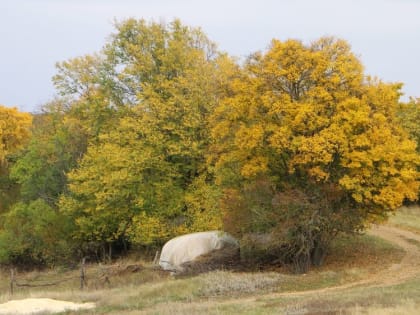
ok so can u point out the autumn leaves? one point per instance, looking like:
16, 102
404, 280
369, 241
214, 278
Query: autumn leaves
164, 134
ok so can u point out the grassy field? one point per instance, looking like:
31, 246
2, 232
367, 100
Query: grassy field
124, 288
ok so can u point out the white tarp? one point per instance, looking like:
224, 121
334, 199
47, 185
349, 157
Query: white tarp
186, 248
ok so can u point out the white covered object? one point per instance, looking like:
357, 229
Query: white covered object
186, 248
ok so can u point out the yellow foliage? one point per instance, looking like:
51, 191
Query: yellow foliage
254, 166
14, 130
307, 112
144, 102
146, 229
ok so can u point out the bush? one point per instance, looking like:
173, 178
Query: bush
33, 234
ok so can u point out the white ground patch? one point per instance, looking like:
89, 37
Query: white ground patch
44, 306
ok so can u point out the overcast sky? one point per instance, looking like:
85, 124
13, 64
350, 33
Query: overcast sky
35, 34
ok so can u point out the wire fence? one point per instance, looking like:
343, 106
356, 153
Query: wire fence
16, 283
102, 276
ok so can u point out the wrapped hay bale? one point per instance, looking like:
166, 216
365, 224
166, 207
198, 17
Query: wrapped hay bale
199, 252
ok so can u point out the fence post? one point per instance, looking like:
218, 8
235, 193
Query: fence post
156, 259
12, 280
82, 273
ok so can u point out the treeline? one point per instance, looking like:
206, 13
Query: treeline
161, 134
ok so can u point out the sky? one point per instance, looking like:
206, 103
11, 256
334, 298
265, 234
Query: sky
36, 34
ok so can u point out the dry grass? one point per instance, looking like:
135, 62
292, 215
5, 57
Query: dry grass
362, 252
149, 291
407, 218
407, 306
223, 283
397, 299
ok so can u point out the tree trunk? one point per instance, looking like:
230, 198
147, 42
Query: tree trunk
301, 263
109, 252
318, 253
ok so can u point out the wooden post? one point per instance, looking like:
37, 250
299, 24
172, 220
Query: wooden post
156, 259
12, 280
82, 273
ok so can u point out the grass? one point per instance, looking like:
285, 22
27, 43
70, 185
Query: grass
378, 300
407, 218
397, 299
217, 292
362, 300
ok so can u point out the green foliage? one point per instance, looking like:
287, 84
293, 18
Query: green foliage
139, 180
110, 186
14, 134
33, 234
40, 170
56, 145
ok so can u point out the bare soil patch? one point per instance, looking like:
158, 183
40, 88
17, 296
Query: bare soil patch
41, 306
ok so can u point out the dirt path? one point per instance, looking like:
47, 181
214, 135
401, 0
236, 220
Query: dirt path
408, 267
410, 264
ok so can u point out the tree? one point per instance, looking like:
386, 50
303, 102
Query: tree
14, 131
308, 147
33, 230
33, 233
140, 181
409, 116
57, 143
14, 134
87, 86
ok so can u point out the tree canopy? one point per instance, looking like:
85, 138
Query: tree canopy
14, 134
140, 178
160, 133
14, 131
307, 146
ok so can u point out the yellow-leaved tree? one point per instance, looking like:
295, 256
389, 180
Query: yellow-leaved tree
307, 147
14, 131
409, 116
14, 134
144, 178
